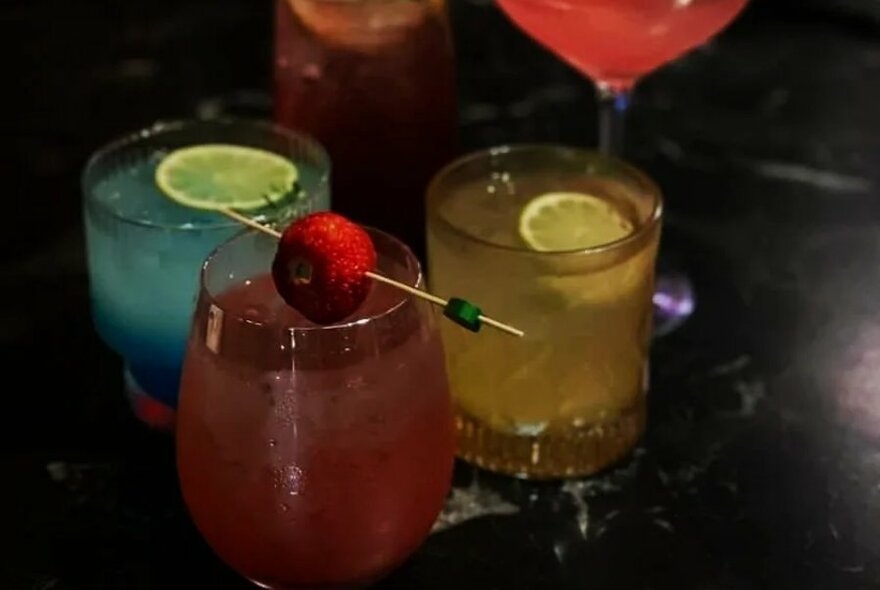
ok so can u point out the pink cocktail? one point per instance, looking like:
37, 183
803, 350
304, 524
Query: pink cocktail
312, 456
616, 42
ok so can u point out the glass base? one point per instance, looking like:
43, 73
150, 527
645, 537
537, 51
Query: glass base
147, 409
674, 302
576, 452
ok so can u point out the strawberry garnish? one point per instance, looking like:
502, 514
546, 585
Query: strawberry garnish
319, 268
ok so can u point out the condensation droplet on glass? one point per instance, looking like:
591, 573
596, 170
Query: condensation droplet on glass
256, 312
294, 480
288, 479
273, 442
311, 72
501, 183
285, 507
356, 383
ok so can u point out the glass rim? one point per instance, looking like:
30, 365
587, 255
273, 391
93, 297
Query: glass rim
589, 154
159, 126
348, 325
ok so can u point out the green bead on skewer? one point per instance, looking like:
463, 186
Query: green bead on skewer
464, 313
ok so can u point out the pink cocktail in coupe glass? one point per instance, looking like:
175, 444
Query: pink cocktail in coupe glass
615, 43
312, 456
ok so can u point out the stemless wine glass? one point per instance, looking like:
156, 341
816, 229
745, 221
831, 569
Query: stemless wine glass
615, 43
312, 456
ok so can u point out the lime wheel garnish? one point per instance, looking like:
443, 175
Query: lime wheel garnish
221, 176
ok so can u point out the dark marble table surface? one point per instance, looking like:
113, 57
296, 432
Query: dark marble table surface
761, 464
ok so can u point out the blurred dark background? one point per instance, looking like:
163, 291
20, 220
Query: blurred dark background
79, 73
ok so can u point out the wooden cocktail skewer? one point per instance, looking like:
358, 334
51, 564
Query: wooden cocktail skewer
244, 220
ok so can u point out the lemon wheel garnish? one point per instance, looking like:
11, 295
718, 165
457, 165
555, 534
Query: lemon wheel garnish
557, 222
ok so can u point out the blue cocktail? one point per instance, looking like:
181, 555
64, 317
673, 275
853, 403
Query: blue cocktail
145, 250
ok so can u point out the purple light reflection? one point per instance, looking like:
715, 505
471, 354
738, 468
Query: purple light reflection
673, 303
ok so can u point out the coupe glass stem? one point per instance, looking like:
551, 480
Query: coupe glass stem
673, 295
613, 106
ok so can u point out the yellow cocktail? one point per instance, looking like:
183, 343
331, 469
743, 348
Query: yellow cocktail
560, 243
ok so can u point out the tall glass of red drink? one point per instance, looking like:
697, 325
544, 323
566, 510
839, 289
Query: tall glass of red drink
312, 456
373, 81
